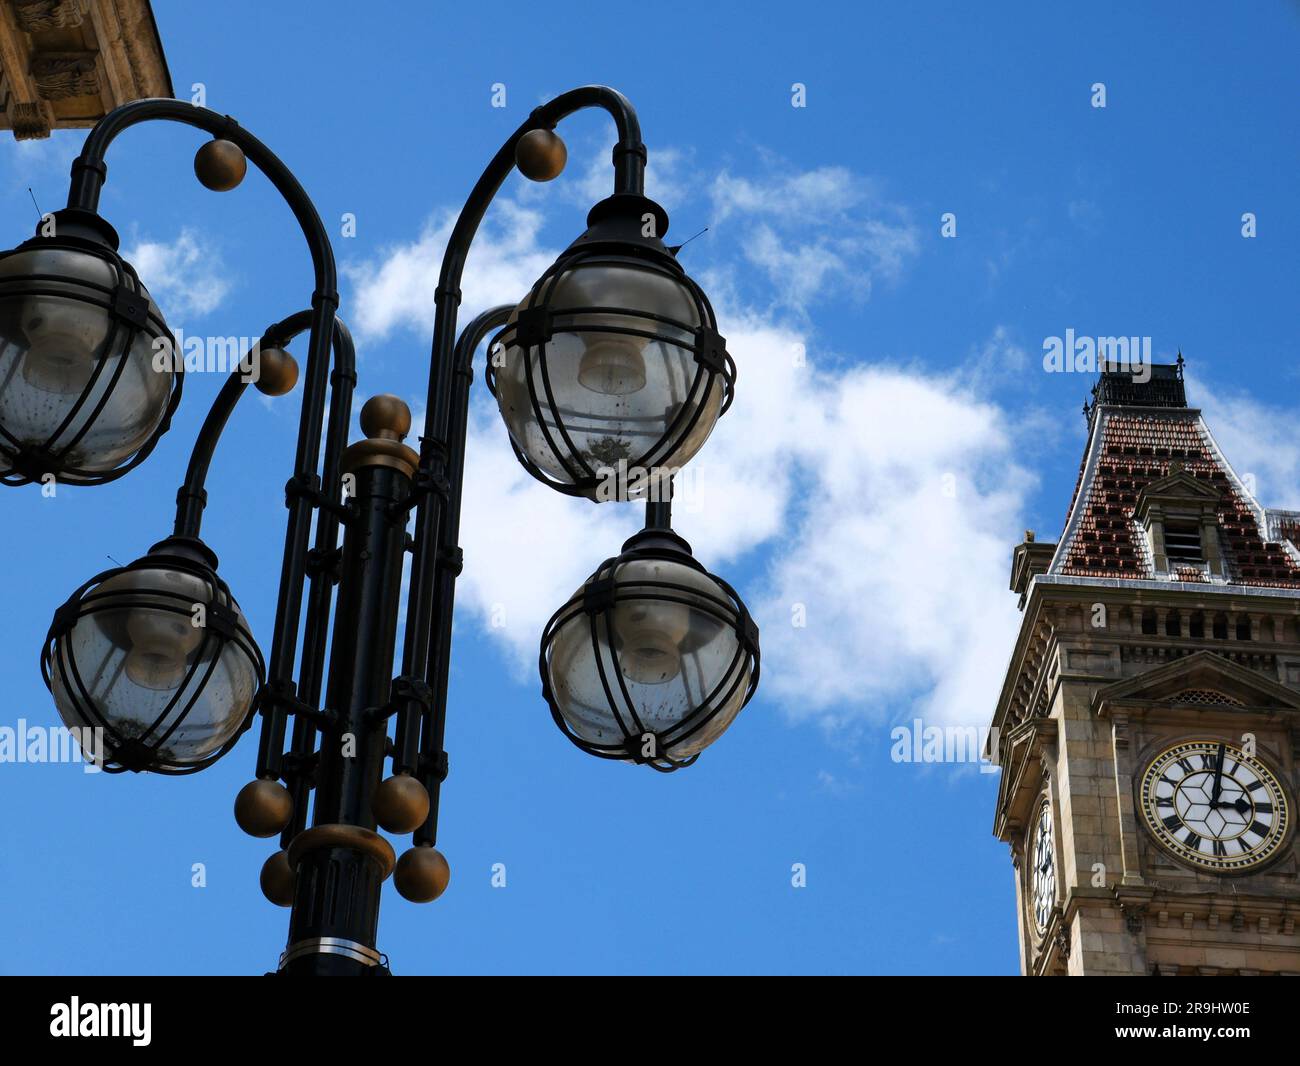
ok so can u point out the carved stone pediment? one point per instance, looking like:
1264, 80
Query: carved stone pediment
1193, 676
1177, 487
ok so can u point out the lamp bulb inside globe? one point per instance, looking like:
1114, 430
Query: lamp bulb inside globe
57, 359
161, 641
650, 635
611, 364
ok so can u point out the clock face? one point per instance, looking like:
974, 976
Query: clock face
1043, 878
1213, 806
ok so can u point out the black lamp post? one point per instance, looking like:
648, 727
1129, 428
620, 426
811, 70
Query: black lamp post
610, 375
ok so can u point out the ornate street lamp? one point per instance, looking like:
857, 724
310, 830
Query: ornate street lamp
652, 658
82, 396
611, 363
158, 655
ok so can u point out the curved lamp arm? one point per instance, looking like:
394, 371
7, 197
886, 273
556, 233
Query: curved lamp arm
89, 170
429, 726
88, 175
192, 497
437, 447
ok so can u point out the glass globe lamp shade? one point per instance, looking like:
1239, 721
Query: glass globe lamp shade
159, 657
82, 394
652, 659
611, 374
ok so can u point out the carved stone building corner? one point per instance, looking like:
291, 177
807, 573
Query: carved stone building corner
64, 64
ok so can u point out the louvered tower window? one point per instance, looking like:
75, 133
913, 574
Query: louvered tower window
1183, 541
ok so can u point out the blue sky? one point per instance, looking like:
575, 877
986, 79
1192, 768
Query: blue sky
880, 480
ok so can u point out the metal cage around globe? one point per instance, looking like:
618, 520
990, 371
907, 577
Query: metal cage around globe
83, 394
611, 370
159, 657
652, 658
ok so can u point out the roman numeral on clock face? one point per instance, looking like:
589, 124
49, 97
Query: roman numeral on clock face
1173, 822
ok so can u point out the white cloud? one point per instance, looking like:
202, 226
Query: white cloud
396, 292
817, 233
1259, 440
881, 499
184, 277
668, 177
42, 164
527, 547
807, 196
884, 498
898, 494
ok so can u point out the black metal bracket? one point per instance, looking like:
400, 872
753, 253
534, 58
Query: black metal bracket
433, 767
452, 559
426, 482
307, 487
301, 767
748, 629
632, 746
403, 692
65, 617
533, 326
711, 350
130, 307
285, 694
184, 493
221, 619
325, 563
598, 596
133, 754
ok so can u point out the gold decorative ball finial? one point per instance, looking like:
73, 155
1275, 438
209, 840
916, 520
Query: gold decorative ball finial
277, 371
386, 417
400, 804
277, 879
541, 155
220, 165
422, 874
263, 807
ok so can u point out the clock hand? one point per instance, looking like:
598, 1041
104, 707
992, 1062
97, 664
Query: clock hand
1218, 774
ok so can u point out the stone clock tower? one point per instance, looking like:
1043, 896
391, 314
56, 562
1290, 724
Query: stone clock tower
1149, 726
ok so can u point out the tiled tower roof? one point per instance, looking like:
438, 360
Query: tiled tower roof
1145, 442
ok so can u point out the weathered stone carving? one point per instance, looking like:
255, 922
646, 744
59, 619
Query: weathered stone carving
61, 75
28, 121
37, 16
